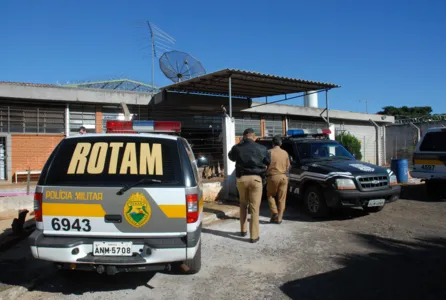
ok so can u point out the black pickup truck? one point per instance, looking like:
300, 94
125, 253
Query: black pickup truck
325, 175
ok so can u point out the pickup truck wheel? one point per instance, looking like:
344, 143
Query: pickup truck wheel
194, 264
315, 202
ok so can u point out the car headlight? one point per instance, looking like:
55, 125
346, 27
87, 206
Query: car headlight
393, 180
345, 184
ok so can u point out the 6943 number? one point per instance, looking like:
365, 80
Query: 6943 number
66, 225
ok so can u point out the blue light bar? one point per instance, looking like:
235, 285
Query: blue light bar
295, 132
143, 125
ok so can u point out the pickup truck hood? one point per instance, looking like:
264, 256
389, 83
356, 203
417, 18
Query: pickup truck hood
354, 167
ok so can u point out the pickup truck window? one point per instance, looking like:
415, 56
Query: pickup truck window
320, 150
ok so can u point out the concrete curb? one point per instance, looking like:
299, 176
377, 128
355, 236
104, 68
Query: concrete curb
224, 213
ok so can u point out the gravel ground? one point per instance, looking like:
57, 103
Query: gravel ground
398, 253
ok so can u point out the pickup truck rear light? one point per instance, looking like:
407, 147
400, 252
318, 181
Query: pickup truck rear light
192, 208
38, 206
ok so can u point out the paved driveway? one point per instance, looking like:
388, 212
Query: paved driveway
399, 253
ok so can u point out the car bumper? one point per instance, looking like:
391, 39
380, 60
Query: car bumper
79, 250
360, 199
428, 176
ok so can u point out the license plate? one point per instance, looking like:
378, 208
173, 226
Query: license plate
377, 202
112, 248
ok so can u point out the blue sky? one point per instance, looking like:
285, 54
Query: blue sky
385, 52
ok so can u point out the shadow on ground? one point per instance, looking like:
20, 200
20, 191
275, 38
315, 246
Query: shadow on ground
417, 192
19, 268
295, 211
396, 270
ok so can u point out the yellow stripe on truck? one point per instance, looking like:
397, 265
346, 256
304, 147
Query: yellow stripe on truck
72, 210
174, 211
428, 162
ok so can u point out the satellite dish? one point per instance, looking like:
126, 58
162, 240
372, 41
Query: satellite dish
179, 66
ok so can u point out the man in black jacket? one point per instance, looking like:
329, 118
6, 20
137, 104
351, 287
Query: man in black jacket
251, 160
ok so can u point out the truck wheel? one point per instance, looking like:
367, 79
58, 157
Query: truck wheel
194, 264
433, 190
374, 209
315, 202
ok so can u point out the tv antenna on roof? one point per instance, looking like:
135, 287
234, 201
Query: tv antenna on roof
179, 66
161, 42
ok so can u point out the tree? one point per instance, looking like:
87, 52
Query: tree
404, 111
351, 143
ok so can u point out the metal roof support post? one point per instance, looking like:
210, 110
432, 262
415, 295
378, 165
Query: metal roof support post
230, 97
326, 107
377, 141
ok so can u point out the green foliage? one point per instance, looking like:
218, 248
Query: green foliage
351, 143
416, 111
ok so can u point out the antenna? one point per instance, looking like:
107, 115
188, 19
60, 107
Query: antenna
161, 42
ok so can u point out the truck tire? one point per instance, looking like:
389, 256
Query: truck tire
315, 202
194, 264
433, 190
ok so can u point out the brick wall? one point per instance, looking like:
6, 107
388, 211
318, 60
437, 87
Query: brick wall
32, 150
98, 119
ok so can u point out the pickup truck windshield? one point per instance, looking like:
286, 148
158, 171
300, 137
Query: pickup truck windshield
323, 151
434, 141
114, 161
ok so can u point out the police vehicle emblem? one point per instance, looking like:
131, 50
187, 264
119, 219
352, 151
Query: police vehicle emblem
362, 167
137, 210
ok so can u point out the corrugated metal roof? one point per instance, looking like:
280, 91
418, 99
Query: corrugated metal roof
247, 84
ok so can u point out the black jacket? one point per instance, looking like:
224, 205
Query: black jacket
250, 158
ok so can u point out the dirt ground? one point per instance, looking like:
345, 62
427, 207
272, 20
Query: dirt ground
398, 253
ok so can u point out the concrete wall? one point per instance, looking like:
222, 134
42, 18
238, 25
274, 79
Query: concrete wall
402, 139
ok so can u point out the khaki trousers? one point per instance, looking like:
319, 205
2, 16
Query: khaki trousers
250, 191
277, 186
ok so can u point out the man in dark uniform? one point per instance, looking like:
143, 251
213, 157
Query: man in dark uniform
277, 180
251, 160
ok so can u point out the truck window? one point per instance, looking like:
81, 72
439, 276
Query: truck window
434, 141
114, 161
290, 150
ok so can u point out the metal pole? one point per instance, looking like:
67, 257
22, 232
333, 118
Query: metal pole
67, 119
326, 106
230, 97
27, 181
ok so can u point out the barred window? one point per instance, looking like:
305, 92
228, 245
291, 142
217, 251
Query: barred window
82, 115
32, 118
305, 124
243, 121
273, 125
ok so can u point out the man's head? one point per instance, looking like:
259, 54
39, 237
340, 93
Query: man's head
249, 134
277, 140
82, 130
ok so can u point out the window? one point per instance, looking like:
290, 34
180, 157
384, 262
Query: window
273, 125
290, 150
99, 166
244, 121
322, 150
82, 115
32, 118
434, 141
